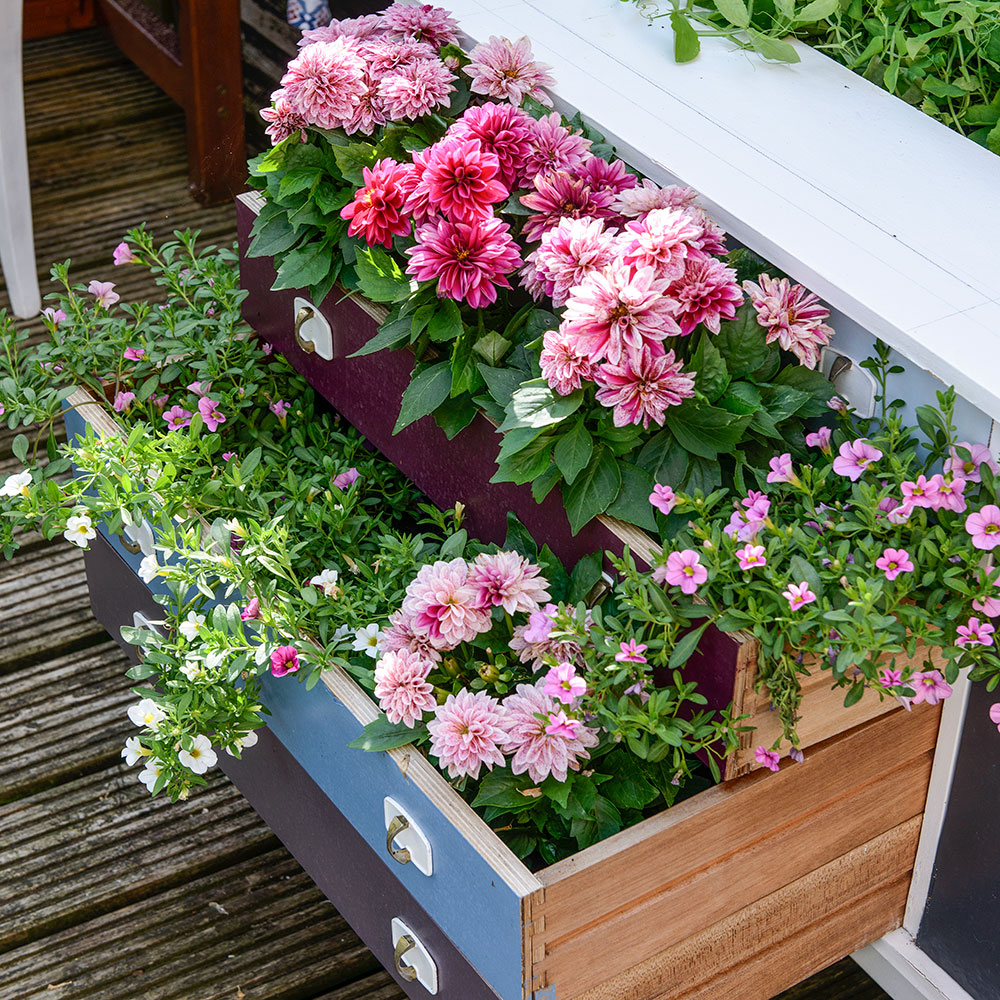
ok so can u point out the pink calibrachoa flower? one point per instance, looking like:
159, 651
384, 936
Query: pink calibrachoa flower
377, 213
854, 457
968, 468
975, 633
283, 120
104, 292
660, 240
502, 130
325, 82
613, 177
647, 196
769, 758
568, 252
631, 652
416, 89
540, 624
563, 363
751, 556
781, 469
820, 439
228, 455
400, 635
683, 569
54, 316
279, 408
344, 479
930, 687
995, 714
424, 22
798, 595
559, 196
948, 495
285, 660
984, 527
123, 400
507, 70
836, 403
554, 149
252, 611
561, 724
663, 498
791, 315
460, 179
892, 562
210, 413
618, 312
562, 683
401, 687
200, 388
467, 731
468, 260
919, 493
441, 604
507, 580
536, 751
134, 353
177, 418
641, 389
123, 255
989, 606
705, 293
533, 644
890, 678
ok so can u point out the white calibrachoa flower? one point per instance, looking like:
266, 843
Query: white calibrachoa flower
152, 771
340, 633
134, 751
146, 713
191, 669
214, 659
189, 627
148, 568
200, 757
17, 485
79, 530
367, 639
328, 581
243, 742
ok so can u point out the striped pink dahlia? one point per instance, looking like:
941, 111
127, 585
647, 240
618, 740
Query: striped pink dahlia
502, 130
424, 22
401, 687
560, 196
325, 82
568, 252
460, 179
564, 365
466, 732
509, 581
441, 605
707, 293
507, 71
648, 196
554, 147
366, 26
376, 213
792, 316
660, 240
415, 89
640, 389
282, 119
401, 635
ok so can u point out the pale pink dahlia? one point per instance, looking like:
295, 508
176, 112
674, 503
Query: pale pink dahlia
400, 635
612, 177
467, 732
416, 89
648, 196
441, 605
325, 82
460, 179
367, 26
791, 315
559, 196
504, 131
369, 113
533, 644
640, 389
384, 57
707, 293
535, 750
555, 147
377, 213
619, 311
282, 119
508, 580
507, 70
424, 22
713, 237
660, 240
469, 261
568, 252
564, 364
401, 687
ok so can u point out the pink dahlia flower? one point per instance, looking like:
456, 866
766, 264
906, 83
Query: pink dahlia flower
384, 57
367, 26
377, 213
968, 468
618, 312
507, 70
612, 177
984, 527
424, 22
791, 315
401, 635
557, 197
369, 113
568, 252
640, 389
502, 130
535, 750
564, 365
325, 82
282, 119
469, 261
647, 196
660, 240
930, 687
713, 237
555, 148
892, 562
460, 179
854, 458
467, 732
707, 293
416, 89
285, 660
441, 604
682, 569
507, 580
401, 687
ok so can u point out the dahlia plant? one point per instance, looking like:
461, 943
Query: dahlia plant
597, 317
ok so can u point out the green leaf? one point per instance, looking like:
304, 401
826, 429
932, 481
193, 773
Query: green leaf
296, 180
629, 789
519, 538
502, 790
393, 333
274, 236
854, 695
801, 571
685, 647
573, 451
306, 266
773, 48
741, 343
492, 347
706, 430
446, 322
818, 10
687, 45
330, 198
351, 159
585, 576
535, 404
734, 11
741, 397
664, 459
454, 415
502, 382
712, 376
381, 734
379, 276
428, 390
632, 503
20, 448
542, 485
594, 489
937, 87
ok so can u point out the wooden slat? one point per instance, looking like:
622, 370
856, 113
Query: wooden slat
149, 42
44, 18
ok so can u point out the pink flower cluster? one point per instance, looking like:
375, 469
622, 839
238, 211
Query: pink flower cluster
792, 316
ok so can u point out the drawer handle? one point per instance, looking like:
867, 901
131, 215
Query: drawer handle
301, 317
134, 547
403, 945
396, 827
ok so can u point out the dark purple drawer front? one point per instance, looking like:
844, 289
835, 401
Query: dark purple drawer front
367, 391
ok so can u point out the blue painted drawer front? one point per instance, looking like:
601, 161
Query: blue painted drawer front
471, 904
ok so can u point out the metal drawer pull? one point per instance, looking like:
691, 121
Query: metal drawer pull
397, 826
304, 314
403, 945
134, 547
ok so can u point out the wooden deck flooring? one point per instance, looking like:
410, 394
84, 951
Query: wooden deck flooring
106, 894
